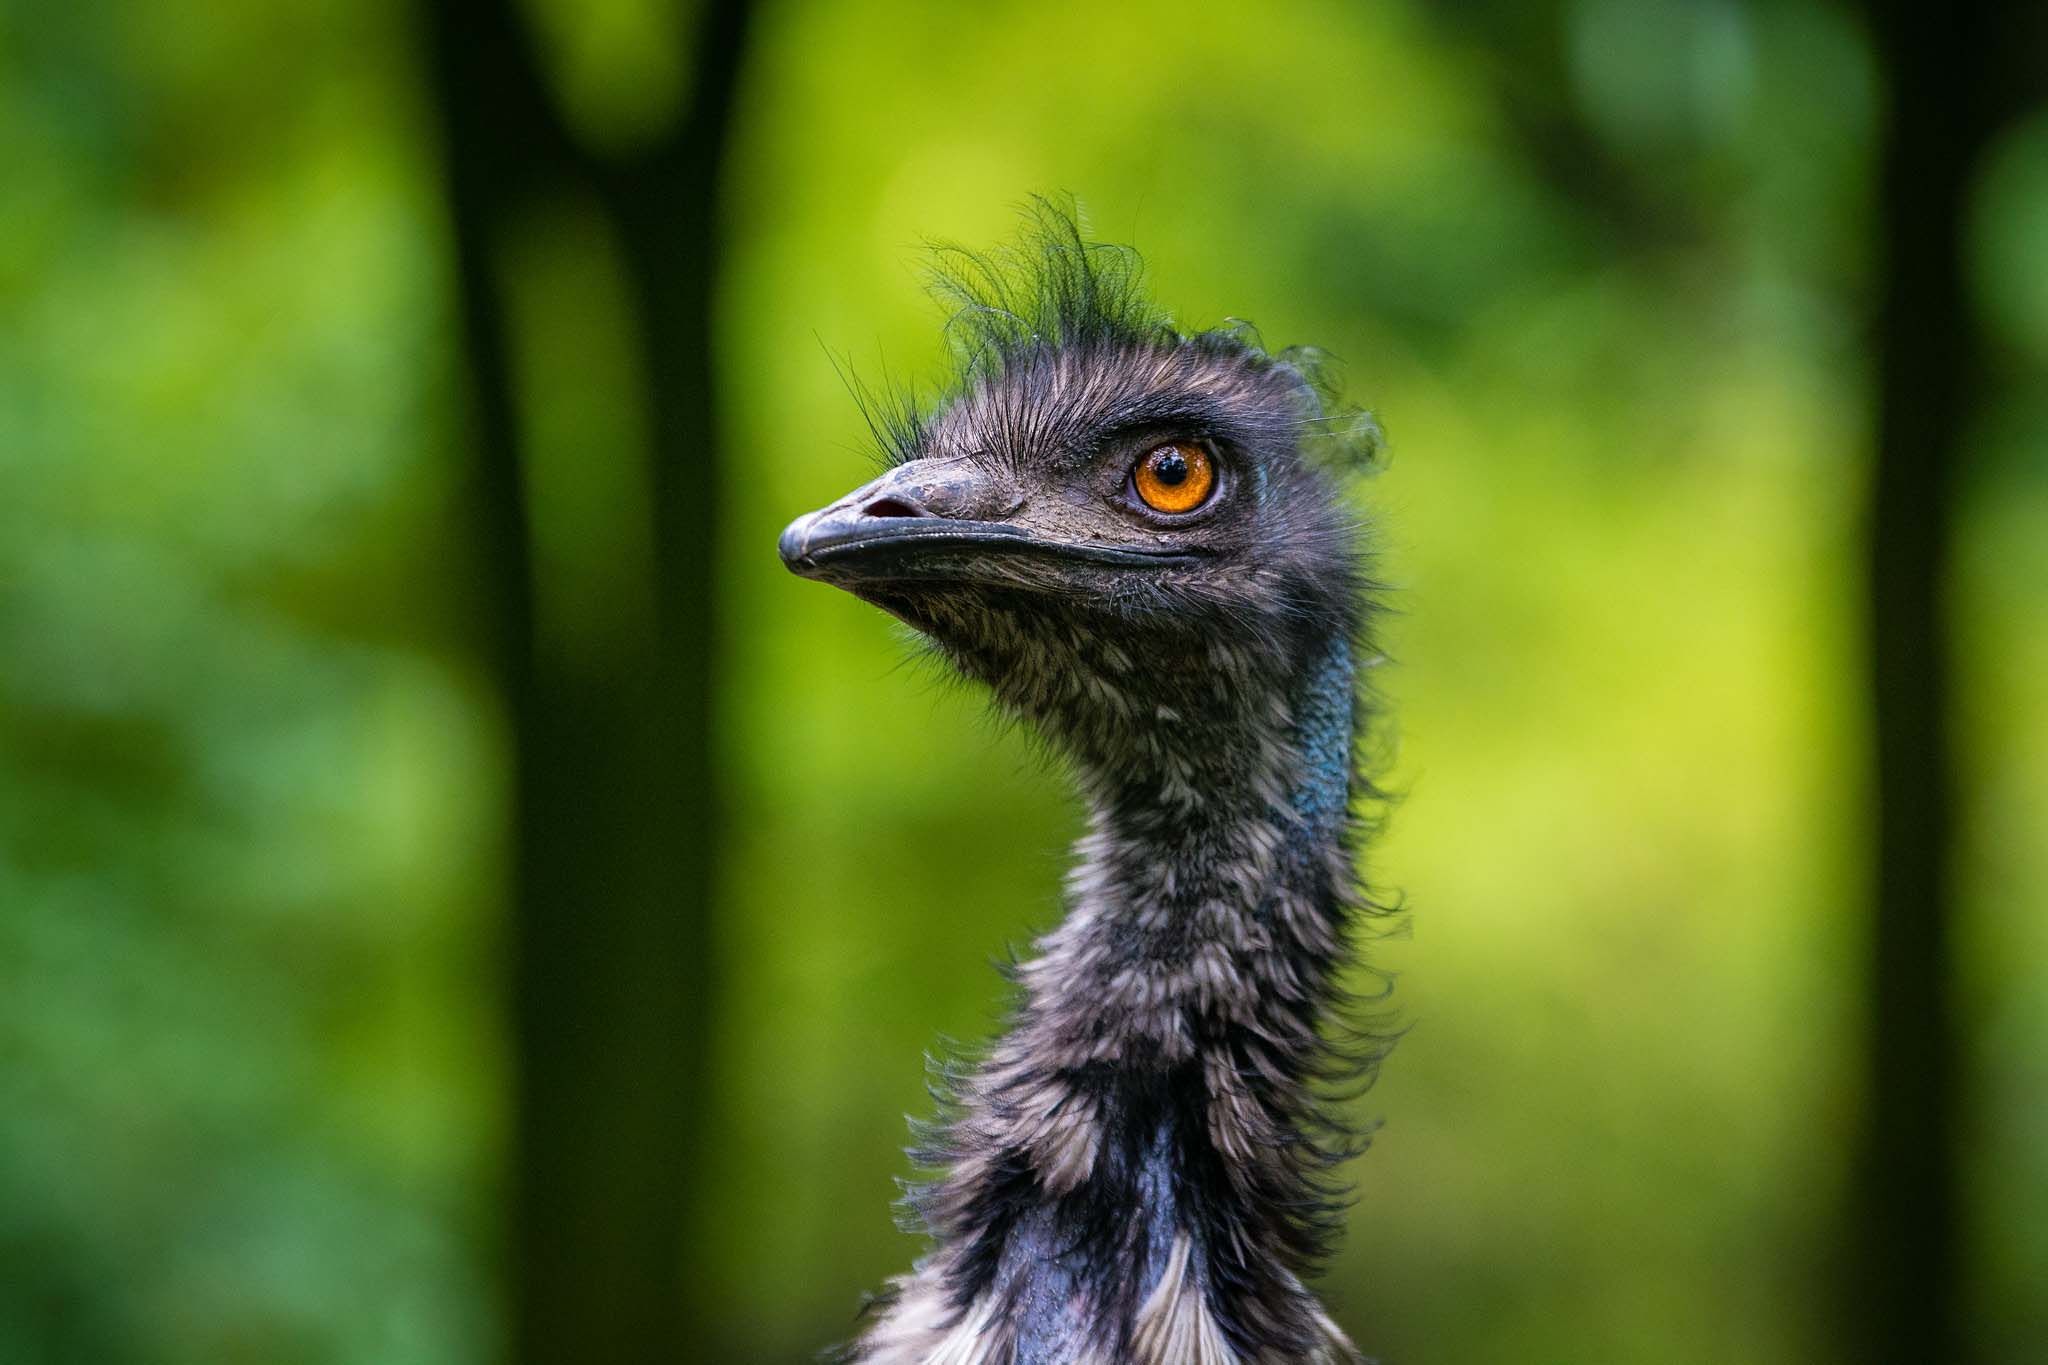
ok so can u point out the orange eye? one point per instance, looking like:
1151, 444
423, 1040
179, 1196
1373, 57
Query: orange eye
1174, 478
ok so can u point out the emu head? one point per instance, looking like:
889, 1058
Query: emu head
1129, 533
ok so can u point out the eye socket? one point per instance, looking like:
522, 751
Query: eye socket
1174, 478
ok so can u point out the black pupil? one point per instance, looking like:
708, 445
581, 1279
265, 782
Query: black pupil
1170, 467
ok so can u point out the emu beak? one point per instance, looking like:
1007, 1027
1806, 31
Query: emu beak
943, 519
879, 527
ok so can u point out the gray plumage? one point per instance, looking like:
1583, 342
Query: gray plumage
1142, 1167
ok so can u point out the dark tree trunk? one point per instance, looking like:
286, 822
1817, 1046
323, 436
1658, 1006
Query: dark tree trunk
1949, 84
614, 817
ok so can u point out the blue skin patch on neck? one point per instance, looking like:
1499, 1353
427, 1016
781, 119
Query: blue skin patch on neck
1044, 1310
1156, 1195
1322, 733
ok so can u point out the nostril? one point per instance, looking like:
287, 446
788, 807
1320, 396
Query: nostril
892, 507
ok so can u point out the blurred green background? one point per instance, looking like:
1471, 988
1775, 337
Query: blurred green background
1604, 269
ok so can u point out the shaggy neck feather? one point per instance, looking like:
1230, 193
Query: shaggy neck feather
1139, 1144
1209, 885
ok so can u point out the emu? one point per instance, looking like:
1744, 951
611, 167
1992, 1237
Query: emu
1134, 538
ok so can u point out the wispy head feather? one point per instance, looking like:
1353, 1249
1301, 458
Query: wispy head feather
1055, 290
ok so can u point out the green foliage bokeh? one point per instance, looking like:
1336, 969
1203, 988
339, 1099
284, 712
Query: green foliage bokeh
251, 826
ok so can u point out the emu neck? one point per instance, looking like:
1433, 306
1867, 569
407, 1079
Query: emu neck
1211, 883
1140, 1144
